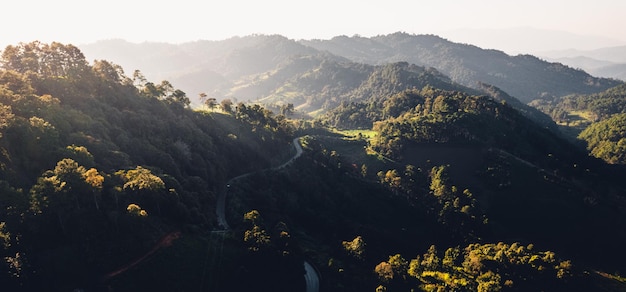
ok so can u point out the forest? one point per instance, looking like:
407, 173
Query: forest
406, 179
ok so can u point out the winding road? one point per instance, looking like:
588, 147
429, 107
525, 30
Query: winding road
310, 276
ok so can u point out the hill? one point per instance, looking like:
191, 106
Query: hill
212, 67
454, 169
613, 54
595, 119
323, 83
110, 182
220, 68
524, 76
94, 170
595, 67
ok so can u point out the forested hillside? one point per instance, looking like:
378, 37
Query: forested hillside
254, 67
595, 119
524, 76
471, 196
406, 180
94, 169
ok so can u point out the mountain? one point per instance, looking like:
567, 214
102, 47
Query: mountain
96, 172
114, 184
597, 120
586, 63
324, 83
464, 159
609, 62
600, 68
527, 40
211, 67
222, 68
615, 54
524, 76
617, 71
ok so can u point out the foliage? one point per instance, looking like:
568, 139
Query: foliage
601, 105
141, 179
607, 139
86, 153
96, 166
355, 247
487, 267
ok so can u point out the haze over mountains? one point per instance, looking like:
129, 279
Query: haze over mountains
604, 62
530, 40
261, 66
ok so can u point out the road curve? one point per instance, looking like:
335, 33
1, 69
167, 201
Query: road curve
311, 278
310, 275
296, 143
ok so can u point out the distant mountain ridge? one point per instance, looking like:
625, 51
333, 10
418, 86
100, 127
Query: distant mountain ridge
607, 62
525, 77
238, 67
615, 54
524, 40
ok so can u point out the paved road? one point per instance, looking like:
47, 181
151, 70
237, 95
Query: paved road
296, 143
310, 276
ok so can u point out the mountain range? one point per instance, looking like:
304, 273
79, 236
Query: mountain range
261, 67
409, 176
607, 62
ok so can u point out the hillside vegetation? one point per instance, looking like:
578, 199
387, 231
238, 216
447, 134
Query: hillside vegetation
222, 68
94, 169
408, 180
596, 119
468, 65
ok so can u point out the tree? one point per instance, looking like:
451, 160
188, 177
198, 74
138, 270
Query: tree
180, 97
489, 282
63, 190
253, 216
439, 180
135, 210
5, 116
450, 257
109, 72
95, 180
430, 260
142, 179
398, 264
415, 267
15, 82
393, 178
211, 103
256, 237
227, 105
356, 247
384, 271
138, 79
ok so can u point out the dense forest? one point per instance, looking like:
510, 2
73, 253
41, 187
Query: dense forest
596, 120
406, 180
96, 166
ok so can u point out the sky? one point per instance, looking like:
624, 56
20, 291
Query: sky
81, 22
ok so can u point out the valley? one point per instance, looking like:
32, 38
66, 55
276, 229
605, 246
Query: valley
391, 163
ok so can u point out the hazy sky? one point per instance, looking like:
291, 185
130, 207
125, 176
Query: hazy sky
79, 22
